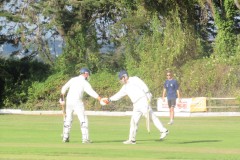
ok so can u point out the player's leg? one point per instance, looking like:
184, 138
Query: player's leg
83, 119
133, 127
67, 124
171, 105
158, 124
171, 115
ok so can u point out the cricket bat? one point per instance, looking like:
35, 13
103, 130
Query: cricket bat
63, 112
148, 120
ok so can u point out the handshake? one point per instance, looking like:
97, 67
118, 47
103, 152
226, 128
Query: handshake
104, 101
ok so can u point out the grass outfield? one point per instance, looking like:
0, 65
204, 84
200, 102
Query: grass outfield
29, 137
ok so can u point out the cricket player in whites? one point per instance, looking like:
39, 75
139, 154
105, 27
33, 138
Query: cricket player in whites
76, 87
140, 96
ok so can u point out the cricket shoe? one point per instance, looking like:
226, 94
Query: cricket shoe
129, 142
170, 123
86, 141
164, 134
65, 140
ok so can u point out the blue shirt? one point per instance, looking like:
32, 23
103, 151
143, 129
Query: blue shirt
171, 87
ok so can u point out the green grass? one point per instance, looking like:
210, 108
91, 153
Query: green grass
28, 137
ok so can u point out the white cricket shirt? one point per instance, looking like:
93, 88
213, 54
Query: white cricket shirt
76, 87
135, 88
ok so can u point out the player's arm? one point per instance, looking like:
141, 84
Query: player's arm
63, 91
90, 91
178, 95
62, 97
120, 94
164, 93
61, 100
145, 89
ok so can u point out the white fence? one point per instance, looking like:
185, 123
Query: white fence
214, 106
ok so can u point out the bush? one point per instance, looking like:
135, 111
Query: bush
210, 77
45, 95
16, 76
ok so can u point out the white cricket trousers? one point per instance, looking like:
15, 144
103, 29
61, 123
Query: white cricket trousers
78, 108
140, 108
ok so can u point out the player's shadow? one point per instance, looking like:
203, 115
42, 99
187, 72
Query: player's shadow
200, 141
152, 140
108, 141
113, 141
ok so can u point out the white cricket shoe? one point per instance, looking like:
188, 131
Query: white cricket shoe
164, 134
129, 142
170, 123
86, 141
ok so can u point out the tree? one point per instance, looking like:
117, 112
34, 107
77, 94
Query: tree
145, 36
226, 37
224, 13
27, 28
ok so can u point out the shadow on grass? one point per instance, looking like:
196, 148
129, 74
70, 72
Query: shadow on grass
110, 141
201, 141
138, 140
156, 140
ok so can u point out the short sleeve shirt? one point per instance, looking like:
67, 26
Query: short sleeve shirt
171, 87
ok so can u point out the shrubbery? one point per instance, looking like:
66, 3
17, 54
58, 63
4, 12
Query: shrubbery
209, 77
16, 77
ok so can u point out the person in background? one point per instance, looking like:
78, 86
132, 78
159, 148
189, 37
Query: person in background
75, 88
140, 96
172, 91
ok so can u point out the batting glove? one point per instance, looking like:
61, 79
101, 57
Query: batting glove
62, 102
